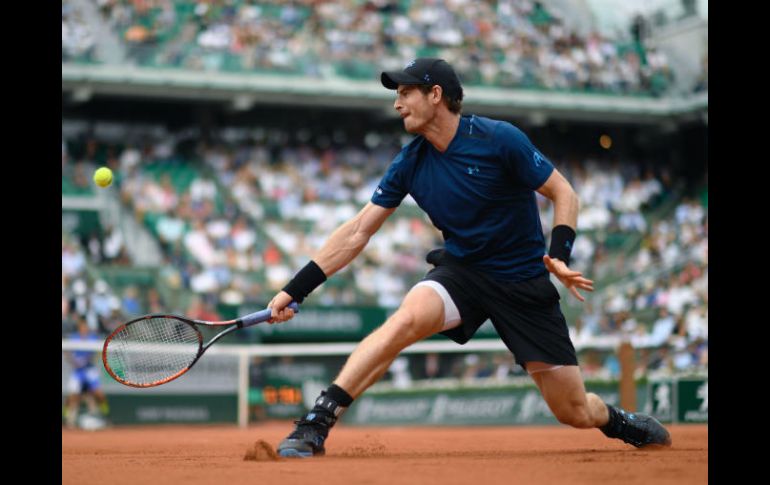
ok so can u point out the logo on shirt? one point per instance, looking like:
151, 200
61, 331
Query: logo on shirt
472, 170
538, 159
378, 191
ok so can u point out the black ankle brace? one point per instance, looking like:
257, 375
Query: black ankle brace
339, 394
329, 406
326, 406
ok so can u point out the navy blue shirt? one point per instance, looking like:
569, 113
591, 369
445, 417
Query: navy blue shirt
480, 193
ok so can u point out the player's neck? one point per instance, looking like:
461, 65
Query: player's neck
441, 131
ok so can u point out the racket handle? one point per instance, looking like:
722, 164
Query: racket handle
262, 316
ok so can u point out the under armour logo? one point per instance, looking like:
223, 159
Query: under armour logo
473, 170
426, 78
378, 191
411, 63
538, 159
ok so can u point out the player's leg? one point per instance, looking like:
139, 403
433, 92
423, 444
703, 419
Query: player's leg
95, 386
74, 390
420, 315
563, 390
91, 404
73, 408
101, 401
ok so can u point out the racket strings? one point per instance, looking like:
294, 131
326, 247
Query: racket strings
152, 350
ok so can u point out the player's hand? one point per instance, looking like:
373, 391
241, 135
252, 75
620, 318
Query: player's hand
280, 312
571, 279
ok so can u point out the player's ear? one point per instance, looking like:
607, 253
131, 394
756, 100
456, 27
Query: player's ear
436, 94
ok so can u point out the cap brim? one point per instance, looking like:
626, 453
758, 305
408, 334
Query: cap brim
392, 79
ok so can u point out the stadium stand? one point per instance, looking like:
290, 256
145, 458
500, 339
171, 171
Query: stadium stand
511, 43
234, 220
234, 213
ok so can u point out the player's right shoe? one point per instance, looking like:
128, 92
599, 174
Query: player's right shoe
636, 429
312, 429
307, 439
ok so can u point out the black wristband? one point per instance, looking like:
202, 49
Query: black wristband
562, 240
305, 281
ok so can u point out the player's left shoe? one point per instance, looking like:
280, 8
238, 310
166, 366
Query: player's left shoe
636, 429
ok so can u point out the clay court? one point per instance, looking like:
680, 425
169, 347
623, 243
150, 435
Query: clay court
203, 455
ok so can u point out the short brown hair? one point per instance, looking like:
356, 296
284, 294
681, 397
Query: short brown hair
454, 105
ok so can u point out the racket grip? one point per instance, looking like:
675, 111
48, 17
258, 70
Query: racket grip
262, 315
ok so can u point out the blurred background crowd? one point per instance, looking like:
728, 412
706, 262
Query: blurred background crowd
229, 211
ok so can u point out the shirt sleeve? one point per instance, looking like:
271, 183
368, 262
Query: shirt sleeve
392, 187
525, 162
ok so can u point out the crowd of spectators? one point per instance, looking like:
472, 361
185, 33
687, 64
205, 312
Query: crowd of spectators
613, 197
95, 303
311, 192
510, 43
102, 307
254, 212
663, 308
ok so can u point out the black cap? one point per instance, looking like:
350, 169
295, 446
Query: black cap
426, 71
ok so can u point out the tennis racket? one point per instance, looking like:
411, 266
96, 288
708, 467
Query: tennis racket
156, 349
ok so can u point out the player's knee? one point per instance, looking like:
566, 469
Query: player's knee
409, 326
575, 415
405, 325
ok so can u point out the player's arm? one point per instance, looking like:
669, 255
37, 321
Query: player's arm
348, 240
565, 211
565, 201
344, 244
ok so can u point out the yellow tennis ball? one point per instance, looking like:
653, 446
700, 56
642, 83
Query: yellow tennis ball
103, 177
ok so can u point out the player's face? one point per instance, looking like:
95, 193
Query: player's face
414, 108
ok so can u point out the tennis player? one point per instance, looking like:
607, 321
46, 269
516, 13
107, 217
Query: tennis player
476, 179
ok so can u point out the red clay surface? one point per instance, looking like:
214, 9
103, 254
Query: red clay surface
204, 455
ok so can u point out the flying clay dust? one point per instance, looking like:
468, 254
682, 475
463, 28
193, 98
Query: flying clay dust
261, 451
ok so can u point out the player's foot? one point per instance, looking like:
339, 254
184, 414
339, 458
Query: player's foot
306, 440
311, 431
636, 429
